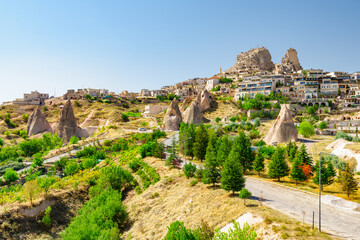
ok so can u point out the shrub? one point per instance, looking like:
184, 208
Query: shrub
25, 117
38, 160
46, 220
237, 233
322, 125
86, 152
194, 182
30, 147
71, 168
217, 119
189, 170
46, 182
10, 176
124, 117
89, 163
244, 194
73, 140
1, 142
233, 119
60, 164
135, 164
341, 134
100, 218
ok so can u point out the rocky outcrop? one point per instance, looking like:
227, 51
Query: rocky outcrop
204, 100
290, 62
283, 130
192, 114
66, 126
172, 118
37, 123
186, 103
254, 59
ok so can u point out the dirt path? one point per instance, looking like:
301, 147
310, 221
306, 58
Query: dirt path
344, 223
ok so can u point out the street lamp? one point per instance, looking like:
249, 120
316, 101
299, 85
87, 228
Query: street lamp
320, 187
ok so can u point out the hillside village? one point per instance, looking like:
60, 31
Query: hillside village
191, 157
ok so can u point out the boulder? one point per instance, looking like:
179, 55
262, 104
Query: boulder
283, 130
37, 123
192, 114
254, 59
204, 100
66, 126
172, 118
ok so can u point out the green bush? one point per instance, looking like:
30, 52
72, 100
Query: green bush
341, 134
86, 152
10, 175
1, 142
135, 164
189, 170
71, 168
46, 220
306, 129
194, 182
244, 233
100, 218
73, 140
89, 163
322, 125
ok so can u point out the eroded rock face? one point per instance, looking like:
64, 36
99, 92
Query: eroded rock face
192, 114
186, 103
67, 125
172, 118
283, 130
290, 62
204, 100
257, 59
37, 123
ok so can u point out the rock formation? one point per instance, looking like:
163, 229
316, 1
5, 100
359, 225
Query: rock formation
283, 130
254, 59
192, 114
66, 126
37, 123
172, 118
186, 103
290, 62
204, 100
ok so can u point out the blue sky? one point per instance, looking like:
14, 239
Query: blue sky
130, 45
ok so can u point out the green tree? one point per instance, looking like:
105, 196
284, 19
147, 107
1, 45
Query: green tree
306, 129
73, 140
237, 232
232, 174
259, 164
217, 119
349, 183
171, 160
223, 149
327, 173
71, 168
10, 175
297, 172
278, 167
46, 220
303, 156
189, 170
244, 194
211, 172
243, 152
257, 122
46, 182
31, 189
291, 150
201, 142
1, 142
322, 125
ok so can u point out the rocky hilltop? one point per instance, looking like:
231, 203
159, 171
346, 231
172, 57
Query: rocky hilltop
257, 59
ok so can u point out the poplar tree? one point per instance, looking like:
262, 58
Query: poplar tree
349, 183
278, 167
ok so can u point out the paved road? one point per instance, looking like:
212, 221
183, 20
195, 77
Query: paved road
340, 222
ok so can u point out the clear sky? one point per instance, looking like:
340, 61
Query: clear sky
130, 45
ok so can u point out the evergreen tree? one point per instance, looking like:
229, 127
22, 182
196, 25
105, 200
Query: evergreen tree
171, 160
297, 172
303, 156
223, 149
327, 173
278, 167
291, 149
187, 138
349, 183
259, 164
231, 175
243, 152
211, 172
201, 142
213, 140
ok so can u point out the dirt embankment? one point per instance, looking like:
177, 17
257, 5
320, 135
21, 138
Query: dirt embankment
24, 221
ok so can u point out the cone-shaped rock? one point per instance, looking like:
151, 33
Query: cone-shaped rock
186, 103
283, 130
291, 62
67, 125
37, 123
173, 117
204, 100
192, 114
